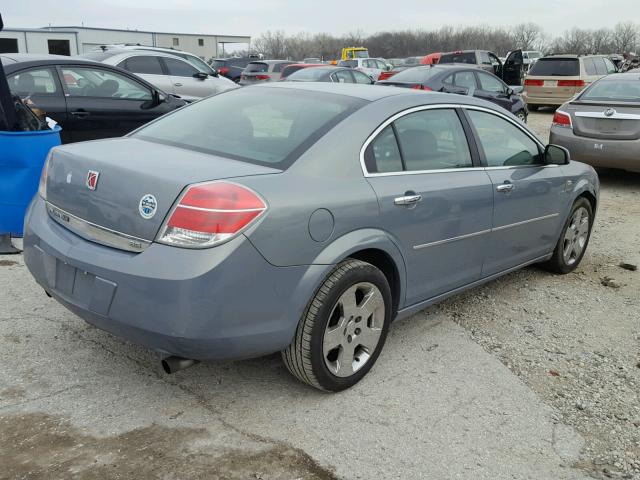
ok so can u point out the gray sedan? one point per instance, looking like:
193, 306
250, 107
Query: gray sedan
601, 126
303, 220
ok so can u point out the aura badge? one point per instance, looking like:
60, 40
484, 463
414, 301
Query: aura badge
148, 206
92, 179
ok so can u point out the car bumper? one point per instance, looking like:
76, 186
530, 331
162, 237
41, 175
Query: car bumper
225, 302
620, 154
545, 101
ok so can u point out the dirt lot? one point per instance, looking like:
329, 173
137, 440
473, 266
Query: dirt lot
533, 376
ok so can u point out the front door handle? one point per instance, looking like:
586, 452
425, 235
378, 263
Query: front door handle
80, 114
407, 200
177, 84
505, 188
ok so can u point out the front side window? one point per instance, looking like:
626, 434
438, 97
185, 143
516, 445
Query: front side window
179, 68
484, 58
271, 127
33, 82
342, 76
383, 155
490, 83
361, 77
142, 64
96, 82
503, 143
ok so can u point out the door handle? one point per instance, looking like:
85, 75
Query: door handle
407, 200
505, 188
177, 84
80, 114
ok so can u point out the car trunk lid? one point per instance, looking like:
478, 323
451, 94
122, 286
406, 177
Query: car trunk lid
127, 171
605, 120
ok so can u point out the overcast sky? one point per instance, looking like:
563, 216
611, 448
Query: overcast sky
251, 17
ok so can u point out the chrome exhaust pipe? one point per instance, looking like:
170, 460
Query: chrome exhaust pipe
175, 364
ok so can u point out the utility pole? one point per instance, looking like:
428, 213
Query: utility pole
7, 110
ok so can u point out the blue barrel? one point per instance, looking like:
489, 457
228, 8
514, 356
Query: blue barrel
22, 155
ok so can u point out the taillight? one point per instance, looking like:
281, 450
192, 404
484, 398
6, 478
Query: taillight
571, 83
416, 87
262, 77
561, 119
211, 213
42, 186
223, 70
385, 75
533, 83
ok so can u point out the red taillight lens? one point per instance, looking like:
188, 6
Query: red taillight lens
416, 87
223, 70
211, 213
42, 186
561, 119
262, 77
571, 83
533, 83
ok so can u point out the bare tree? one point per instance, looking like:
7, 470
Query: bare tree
625, 36
527, 36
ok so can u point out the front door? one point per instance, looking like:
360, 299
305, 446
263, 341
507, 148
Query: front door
513, 68
102, 103
433, 199
492, 89
528, 195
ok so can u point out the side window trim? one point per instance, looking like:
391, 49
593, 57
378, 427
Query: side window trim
397, 137
124, 74
476, 139
473, 149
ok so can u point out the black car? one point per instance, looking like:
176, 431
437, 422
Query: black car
511, 71
89, 100
329, 74
464, 80
232, 67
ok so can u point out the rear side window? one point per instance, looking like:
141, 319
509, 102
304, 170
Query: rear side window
557, 67
257, 67
342, 76
490, 83
33, 82
589, 66
291, 69
149, 65
271, 127
279, 66
466, 80
469, 57
601, 68
426, 140
503, 143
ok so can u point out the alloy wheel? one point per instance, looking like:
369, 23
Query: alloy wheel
576, 236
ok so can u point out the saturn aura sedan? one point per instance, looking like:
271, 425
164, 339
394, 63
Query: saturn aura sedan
303, 220
601, 126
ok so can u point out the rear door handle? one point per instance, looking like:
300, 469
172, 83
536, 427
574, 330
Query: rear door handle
505, 187
407, 200
177, 84
80, 114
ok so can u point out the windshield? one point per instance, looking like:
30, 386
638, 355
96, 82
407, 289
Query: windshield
415, 75
555, 67
469, 57
257, 67
361, 54
613, 90
265, 126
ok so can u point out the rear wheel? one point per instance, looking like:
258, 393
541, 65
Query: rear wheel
533, 108
573, 240
343, 329
522, 116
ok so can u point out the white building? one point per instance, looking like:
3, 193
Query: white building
77, 40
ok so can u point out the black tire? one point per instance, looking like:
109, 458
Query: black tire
533, 108
304, 357
522, 115
557, 263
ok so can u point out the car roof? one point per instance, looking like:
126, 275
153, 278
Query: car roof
23, 59
270, 61
622, 77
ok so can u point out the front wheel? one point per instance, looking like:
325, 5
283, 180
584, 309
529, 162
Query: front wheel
343, 329
573, 240
522, 116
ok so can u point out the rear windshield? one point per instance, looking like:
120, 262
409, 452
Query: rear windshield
291, 69
613, 90
469, 57
257, 67
348, 63
556, 67
265, 126
415, 74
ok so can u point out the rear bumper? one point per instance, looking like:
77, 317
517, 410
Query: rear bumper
545, 101
620, 154
225, 302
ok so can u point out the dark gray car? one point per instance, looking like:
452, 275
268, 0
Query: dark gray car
303, 220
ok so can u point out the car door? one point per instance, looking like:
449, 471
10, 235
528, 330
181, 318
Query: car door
528, 194
188, 82
465, 81
342, 76
513, 68
149, 68
104, 103
434, 200
492, 89
40, 87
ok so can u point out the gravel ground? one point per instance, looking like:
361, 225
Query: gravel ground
574, 339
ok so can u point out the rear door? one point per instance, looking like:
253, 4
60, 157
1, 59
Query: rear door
41, 88
103, 103
434, 200
513, 68
529, 196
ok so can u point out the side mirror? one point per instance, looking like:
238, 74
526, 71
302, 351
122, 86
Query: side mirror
156, 99
214, 73
556, 155
200, 75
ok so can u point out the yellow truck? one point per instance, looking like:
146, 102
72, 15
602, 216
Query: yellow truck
349, 53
